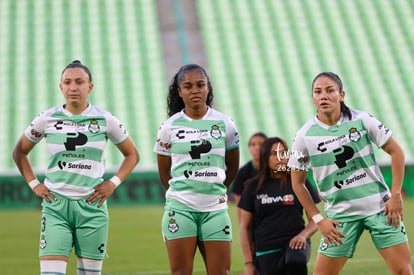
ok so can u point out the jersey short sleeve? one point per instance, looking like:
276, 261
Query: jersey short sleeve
162, 145
377, 131
36, 130
232, 140
299, 157
115, 129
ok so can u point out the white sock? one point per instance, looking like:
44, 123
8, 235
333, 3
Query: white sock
89, 266
53, 267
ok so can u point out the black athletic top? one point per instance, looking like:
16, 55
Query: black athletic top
277, 212
245, 173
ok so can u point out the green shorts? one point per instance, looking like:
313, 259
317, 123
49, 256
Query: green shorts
69, 223
382, 235
206, 226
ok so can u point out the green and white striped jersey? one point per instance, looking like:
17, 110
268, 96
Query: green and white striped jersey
197, 149
76, 146
343, 163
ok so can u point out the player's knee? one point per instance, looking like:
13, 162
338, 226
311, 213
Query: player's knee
403, 269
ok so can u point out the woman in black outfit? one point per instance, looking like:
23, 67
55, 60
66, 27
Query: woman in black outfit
272, 228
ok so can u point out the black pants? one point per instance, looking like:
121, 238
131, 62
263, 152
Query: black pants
284, 262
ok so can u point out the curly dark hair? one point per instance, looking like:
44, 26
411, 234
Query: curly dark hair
174, 102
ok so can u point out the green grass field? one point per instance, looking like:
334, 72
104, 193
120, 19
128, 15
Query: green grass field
136, 246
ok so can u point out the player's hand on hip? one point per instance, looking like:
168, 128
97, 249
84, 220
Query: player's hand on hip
43, 192
329, 231
102, 192
394, 210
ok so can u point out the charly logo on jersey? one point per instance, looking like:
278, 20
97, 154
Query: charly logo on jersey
354, 134
215, 132
226, 230
180, 134
94, 126
60, 124
322, 145
101, 248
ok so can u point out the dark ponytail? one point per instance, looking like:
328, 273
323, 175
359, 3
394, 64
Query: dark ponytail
345, 110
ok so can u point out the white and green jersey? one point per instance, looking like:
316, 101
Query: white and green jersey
343, 163
197, 149
76, 146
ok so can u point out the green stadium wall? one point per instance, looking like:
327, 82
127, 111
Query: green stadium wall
142, 188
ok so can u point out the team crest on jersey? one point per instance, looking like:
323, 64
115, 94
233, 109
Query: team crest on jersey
173, 226
354, 135
93, 126
43, 242
215, 132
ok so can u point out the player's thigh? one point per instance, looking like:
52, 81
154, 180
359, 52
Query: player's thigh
56, 236
325, 265
181, 255
215, 236
91, 230
215, 226
398, 258
216, 255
